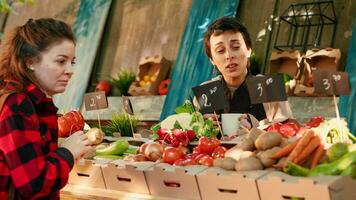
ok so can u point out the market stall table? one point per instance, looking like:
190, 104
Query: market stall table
75, 192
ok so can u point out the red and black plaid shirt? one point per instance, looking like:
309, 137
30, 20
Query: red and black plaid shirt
30, 159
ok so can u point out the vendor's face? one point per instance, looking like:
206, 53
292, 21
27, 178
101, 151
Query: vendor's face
53, 71
229, 54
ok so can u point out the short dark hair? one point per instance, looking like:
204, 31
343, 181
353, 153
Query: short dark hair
28, 42
222, 25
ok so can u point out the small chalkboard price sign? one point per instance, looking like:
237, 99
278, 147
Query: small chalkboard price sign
267, 88
127, 105
210, 97
95, 101
126, 102
331, 82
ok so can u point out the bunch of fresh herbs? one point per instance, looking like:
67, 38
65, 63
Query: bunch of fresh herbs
122, 81
121, 123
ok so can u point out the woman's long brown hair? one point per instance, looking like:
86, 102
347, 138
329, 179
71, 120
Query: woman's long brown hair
26, 43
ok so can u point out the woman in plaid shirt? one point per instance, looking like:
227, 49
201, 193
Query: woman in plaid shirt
36, 62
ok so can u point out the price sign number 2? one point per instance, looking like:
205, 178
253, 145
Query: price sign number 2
205, 99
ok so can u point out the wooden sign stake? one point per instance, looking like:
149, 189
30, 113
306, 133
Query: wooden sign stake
221, 132
132, 130
336, 108
131, 125
269, 110
99, 120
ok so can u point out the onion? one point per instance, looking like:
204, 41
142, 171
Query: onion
142, 148
95, 135
153, 151
140, 157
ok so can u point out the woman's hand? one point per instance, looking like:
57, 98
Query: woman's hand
77, 143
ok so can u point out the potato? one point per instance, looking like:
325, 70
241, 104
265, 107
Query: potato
228, 163
248, 140
268, 140
237, 154
255, 132
218, 162
247, 144
242, 131
266, 156
284, 142
247, 154
247, 164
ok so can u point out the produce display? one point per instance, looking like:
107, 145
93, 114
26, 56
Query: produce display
318, 147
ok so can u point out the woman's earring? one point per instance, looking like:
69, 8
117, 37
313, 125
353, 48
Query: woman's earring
215, 70
31, 68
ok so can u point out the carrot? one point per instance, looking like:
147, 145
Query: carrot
311, 146
303, 142
304, 160
285, 150
317, 156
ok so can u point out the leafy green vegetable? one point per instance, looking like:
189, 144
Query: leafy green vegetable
107, 157
132, 150
155, 127
184, 120
203, 127
187, 107
336, 167
336, 151
295, 170
197, 117
154, 136
118, 147
346, 165
350, 171
177, 125
123, 81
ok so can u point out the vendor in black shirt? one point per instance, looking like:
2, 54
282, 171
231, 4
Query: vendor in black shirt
228, 45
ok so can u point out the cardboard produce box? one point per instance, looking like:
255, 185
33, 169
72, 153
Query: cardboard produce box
87, 173
285, 62
217, 183
152, 71
126, 176
281, 186
174, 181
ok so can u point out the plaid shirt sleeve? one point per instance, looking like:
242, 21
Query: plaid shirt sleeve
33, 172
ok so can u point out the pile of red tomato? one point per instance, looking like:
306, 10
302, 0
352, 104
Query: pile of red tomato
203, 154
290, 129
